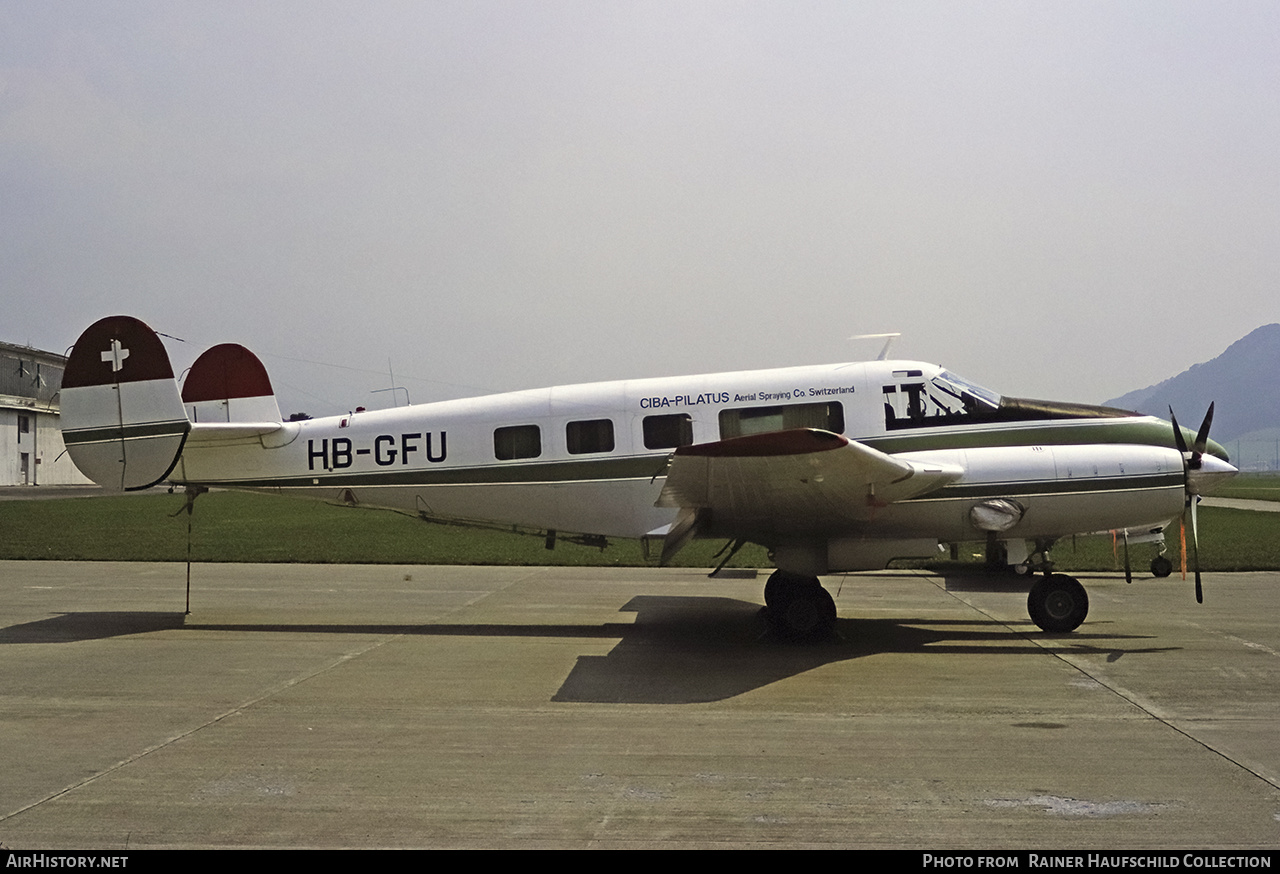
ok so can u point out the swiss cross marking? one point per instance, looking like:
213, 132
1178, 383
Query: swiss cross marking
115, 355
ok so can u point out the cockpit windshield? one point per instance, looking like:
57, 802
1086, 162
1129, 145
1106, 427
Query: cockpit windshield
912, 401
970, 394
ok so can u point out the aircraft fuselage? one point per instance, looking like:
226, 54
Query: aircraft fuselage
591, 458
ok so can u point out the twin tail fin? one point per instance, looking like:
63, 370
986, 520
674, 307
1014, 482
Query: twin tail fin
124, 421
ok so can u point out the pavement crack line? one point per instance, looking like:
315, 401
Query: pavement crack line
1168, 720
239, 708
1132, 698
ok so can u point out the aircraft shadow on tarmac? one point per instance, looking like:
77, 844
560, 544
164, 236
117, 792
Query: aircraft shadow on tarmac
685, 650
679, 650
75, 627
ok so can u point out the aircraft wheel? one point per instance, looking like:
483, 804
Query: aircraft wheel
773, 588
1057, 603
1161, 566
803, 614
781, 582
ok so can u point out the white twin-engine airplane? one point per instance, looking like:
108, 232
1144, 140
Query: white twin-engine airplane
833, 468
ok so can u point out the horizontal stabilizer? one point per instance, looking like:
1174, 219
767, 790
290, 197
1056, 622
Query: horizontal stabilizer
122, 417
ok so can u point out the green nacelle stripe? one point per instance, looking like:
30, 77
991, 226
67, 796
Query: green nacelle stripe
1057, 433
642, 468
1055, 487
173, 428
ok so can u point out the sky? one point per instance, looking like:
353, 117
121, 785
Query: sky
1056, 200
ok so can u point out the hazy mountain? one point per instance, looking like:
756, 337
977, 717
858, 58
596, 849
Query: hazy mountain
1242, 381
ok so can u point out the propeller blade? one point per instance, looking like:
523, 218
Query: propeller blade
1195, 549
1182, 540
1202, 436
1128, 569
1177, 434
1192, 463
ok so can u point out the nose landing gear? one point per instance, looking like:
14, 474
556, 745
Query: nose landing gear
1057, 603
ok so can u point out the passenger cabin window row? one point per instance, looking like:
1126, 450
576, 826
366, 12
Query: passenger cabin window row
591, 436
670, 431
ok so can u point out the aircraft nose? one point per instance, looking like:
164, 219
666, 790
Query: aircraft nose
1211, 474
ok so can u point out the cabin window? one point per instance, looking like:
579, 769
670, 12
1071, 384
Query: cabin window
595, 435
668, 432
744, 421
517, 441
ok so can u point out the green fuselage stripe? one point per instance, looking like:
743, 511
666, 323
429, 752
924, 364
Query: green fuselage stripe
644, 467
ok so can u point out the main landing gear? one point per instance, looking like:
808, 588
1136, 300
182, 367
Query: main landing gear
797, 608
1057, 603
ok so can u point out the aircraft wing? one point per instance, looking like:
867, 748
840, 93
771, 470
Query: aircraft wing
798, 481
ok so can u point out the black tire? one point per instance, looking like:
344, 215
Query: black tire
1161, 566
781, 583
1057, 603
802, 614
774, 586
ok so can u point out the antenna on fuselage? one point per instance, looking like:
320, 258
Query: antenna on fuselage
888, 341
394, 388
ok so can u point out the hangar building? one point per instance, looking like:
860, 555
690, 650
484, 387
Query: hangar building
31, 448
